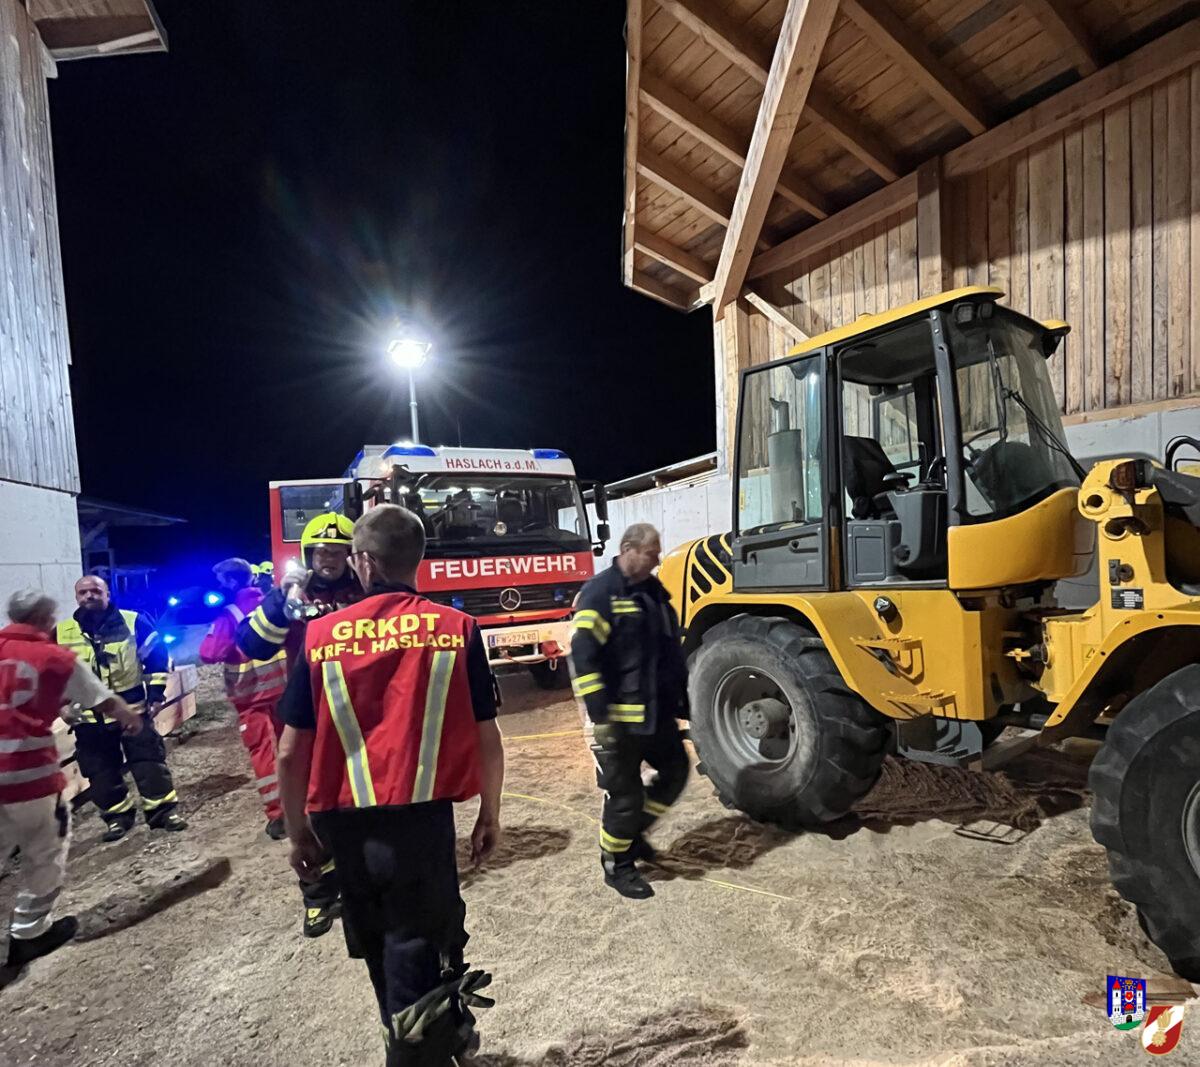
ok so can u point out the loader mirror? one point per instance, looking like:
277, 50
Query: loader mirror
1055, 331
352, 501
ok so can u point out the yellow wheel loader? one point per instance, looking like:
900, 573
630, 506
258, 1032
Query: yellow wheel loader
906, 513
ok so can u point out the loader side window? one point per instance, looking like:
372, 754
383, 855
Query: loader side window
779, 454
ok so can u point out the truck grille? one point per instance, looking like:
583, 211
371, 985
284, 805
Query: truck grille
533, 598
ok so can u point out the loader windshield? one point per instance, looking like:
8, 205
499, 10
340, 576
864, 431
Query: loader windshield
1014, 450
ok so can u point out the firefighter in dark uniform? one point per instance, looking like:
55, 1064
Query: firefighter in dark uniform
124, 651
628, 669
278, 624
390, 719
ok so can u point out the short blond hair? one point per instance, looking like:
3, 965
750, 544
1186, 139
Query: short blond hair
394, 537
638, 535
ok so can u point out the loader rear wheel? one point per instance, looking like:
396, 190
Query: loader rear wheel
776, 728
1146, 813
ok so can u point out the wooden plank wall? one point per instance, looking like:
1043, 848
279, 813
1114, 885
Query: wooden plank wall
37, 434
1099, 225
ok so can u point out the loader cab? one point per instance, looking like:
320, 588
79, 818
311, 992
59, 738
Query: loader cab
913, 448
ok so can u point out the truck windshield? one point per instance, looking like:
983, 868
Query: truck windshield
492, 512
1014, 450
299, 504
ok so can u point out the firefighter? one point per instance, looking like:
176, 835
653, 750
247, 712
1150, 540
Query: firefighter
389, 720
278, 624
252, 686
264, 576
36, 679
125, 653
628, 669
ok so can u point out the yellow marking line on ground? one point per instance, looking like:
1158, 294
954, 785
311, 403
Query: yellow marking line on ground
592, 819
538, 737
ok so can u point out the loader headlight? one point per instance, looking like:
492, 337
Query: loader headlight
1130, 475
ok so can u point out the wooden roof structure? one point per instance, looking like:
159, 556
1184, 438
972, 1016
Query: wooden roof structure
80, 29
759, 132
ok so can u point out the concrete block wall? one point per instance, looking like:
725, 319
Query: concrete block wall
39, 543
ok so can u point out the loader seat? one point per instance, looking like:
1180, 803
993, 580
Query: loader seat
865, 465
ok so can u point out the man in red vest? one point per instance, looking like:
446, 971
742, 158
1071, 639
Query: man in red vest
252, 686
390, 719
36, 679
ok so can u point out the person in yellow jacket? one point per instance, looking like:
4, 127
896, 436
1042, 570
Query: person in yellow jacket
125, 653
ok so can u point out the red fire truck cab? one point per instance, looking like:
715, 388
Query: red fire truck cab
507, 537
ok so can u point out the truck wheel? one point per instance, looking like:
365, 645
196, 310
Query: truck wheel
777, 730
1146, 813
551, 675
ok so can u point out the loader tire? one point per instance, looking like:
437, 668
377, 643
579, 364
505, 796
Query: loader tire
825, 745
1146, 813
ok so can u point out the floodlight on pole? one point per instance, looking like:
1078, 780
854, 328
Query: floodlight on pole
410, 354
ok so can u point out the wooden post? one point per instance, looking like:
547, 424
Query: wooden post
931, 263
731, 352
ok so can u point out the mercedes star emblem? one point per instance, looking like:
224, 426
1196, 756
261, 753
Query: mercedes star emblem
510, 599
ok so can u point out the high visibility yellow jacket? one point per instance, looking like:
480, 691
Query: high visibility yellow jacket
123, 650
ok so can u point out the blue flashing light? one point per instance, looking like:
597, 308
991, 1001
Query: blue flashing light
457, 602
409, 450
548, 453
173, 601
213, 599
560, 596
170, 639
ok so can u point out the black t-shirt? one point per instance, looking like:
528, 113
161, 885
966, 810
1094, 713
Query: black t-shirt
297, 708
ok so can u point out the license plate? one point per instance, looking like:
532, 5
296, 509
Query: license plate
512, 637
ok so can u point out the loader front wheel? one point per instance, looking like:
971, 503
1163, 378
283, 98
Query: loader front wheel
1146, 813
776, 729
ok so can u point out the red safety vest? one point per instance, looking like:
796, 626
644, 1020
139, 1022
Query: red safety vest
249, 682
33, 677
395, 723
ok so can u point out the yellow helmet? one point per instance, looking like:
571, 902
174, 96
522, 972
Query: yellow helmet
266, 567
329, 528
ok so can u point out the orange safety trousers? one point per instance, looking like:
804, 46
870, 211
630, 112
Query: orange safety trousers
260, 730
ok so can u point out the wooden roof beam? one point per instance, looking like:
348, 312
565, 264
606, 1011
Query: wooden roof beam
806, 25
633, 71
666, 294
752, 57
1152, 63
666, 175
866, 212
690, 117
1062, 22
672, 256
892, 35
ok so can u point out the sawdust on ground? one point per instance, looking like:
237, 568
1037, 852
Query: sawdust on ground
957, 919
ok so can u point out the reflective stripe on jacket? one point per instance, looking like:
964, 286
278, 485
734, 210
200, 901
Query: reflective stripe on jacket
123, 651
247, 682
33, 678
626, 656
395, 723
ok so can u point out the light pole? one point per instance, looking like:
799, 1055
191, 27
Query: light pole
409, 354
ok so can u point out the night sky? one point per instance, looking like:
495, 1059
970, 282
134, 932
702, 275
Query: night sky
243, 218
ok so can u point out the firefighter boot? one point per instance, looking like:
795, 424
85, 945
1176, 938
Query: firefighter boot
22, 950
117, 826
319, 920
641, 849
170, 821
622, 874
275, 829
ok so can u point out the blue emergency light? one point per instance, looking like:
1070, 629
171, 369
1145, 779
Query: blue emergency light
213, 599
409, 450
548, 453
457, 602
170, 639
173, 601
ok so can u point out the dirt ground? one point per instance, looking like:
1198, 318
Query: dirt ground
897, 937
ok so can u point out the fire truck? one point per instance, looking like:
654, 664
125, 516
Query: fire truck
508, 538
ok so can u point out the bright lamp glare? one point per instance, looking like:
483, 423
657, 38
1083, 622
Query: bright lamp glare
169, 638
408, 353
173, 601
213, 599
